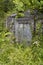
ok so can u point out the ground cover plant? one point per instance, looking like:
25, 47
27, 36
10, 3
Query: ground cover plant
19, 54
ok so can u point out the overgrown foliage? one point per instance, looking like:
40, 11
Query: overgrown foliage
19, 5
15, 53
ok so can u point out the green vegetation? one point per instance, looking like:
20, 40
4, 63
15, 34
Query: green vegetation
18, 54
12, 53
